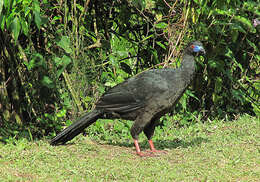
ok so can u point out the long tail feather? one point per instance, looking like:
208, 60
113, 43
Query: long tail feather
76, 128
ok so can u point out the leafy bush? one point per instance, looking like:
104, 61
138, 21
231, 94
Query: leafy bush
228, 80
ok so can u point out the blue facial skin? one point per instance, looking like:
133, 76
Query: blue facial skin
197, 48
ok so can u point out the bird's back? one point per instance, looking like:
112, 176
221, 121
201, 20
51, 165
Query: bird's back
156, 89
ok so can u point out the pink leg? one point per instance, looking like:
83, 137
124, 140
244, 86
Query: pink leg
153, 149
138, 151
151, 145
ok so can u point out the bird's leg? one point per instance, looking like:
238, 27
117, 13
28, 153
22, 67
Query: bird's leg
137, 128
151, 145
153, 150
138, 151
149, 131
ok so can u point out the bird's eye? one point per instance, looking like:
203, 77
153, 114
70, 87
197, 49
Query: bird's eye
192, 46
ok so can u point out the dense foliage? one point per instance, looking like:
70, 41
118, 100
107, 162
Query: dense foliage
58, 57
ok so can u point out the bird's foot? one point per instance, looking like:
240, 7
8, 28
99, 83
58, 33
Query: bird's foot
153, 150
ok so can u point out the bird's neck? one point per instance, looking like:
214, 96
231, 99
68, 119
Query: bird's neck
188, 63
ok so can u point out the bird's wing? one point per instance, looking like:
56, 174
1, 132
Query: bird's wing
121, 102
134, 93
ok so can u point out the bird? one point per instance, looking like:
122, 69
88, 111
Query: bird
143, 98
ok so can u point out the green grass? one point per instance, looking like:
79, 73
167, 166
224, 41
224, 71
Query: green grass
217, 151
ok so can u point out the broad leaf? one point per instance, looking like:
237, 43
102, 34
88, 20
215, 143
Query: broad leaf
16, 27
37, 19
36, 12
65, 44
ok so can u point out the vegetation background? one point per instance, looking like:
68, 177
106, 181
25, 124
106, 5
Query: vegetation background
58, 57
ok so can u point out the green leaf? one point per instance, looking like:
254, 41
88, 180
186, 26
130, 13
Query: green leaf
212, 63
237, 27
1, 6
246, 22
29, 64
237, 94
65, 44
222, 12
139, 4
59, 72
257, 57
46, 81
39, 60
25, 27
9, 19
161, 25
161, 45
113, 60
252, 45
64, 61
81, 8
230, 54
110, 84
57, 61
16, 27
122, 53
234, 35
61, 113
147, 37
36, 6
36, 12
2, 22
197, 1
37, 19
189, 93
7, 4
35, 61
218, 85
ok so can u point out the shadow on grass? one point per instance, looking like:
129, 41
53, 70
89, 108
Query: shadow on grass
164, 144
159, 144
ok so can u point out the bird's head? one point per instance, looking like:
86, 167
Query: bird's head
196, 47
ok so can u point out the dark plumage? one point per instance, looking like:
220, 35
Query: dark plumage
143, 98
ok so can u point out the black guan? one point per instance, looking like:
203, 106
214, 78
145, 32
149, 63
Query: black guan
143, 98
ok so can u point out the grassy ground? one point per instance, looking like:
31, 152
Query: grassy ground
218, 151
